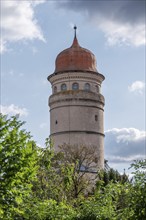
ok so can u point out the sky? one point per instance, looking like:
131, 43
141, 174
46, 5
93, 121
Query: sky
34, 32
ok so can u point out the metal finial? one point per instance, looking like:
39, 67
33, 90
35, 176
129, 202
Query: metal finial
75, 28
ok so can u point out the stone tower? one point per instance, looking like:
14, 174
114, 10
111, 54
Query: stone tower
76, 103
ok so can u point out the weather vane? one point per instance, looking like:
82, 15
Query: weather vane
75, 28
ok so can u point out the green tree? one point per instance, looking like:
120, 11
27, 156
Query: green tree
18, 158
120, 200
49, 210
138, 192
81, 162
41, 184
111, 175
54, 178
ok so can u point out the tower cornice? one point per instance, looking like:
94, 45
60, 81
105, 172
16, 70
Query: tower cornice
91, 75
74, 97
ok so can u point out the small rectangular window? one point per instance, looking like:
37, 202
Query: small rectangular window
96, 118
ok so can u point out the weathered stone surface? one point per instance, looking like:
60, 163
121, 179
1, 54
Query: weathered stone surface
77, 116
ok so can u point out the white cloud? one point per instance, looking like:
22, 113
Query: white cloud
118, 159
18, 22
13, 110
124, 145
123, 22
137, 86
37, 2
117, 33
2, 46
126, 135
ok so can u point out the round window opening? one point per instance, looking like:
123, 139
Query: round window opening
63, 87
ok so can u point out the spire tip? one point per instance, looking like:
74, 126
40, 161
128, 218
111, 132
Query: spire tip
75, 41
75, 28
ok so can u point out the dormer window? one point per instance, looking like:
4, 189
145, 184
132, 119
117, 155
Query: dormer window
63, 87
87, 87
75, 86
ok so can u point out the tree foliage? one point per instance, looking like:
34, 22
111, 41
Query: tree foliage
41, 184
82, 162
18, 168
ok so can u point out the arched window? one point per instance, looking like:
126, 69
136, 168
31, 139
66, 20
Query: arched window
63, 87
75, 86
97, 89
87, 87
55, 89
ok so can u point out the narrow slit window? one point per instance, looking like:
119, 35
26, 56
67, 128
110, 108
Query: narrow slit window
55, 89
96, 118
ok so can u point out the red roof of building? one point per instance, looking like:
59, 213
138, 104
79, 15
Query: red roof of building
75, 58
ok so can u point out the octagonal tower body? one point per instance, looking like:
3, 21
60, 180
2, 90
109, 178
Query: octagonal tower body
76, 104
